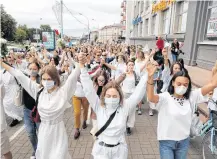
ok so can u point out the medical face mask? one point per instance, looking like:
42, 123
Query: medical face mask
180, 90
48, 84
112, 103
33, 73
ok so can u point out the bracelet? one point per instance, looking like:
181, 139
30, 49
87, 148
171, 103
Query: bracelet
150, 83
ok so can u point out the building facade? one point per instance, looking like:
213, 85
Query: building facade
191, 22
94, 36
111, 33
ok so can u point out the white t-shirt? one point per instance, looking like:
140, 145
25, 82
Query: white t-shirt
129, 84
3, 120
174, 120
211, 105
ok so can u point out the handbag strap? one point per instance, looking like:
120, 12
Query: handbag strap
106, 124
36, 102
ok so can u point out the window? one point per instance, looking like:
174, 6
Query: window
146, 26
166, 21
140, 29
147, 4
182, 9
211, 32
153, 22
141, 6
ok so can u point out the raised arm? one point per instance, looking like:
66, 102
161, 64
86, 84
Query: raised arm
150, 84
70, 85
31, 87
210, 86
88, 88
138, 94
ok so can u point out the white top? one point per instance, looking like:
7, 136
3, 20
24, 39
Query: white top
2, 117
174, 120
52, 136
79, 90
120, 69
166, 78
129, 84
115, 131
138, 65
211, 105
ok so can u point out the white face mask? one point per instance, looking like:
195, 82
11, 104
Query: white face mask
48, 84
180, 90
112, 103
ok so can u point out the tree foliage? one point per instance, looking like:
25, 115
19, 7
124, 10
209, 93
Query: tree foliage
20, 34
45, 27
8, 25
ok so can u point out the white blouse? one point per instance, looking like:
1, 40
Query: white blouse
174, 120
114, 133
129, 84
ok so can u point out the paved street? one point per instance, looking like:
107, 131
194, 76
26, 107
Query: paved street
142, 143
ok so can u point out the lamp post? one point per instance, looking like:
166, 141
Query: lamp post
88, 25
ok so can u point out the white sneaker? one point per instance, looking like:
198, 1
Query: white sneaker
139, 111
137, 108
32, 157
151, 112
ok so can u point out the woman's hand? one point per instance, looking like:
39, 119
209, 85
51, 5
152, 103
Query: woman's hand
151, 68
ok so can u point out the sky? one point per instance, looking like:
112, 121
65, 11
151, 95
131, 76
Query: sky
33, 13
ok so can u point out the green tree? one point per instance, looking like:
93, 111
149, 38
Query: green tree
45, 27
20, 35
8, 25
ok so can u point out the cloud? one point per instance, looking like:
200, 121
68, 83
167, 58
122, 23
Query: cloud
29, 12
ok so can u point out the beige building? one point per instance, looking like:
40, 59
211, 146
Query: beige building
110, 33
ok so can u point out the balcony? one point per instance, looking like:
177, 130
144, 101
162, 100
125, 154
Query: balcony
123, 27
122, 5
124, 18
122, 14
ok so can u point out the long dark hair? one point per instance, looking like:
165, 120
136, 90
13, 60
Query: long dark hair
182, 73
176, 63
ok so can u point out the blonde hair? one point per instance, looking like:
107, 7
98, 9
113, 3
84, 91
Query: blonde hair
214, 69
52, 72
112, 84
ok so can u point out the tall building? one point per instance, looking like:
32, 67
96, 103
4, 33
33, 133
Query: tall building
192, 22
110, 33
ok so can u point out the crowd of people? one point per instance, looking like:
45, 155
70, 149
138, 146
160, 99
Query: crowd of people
108, 84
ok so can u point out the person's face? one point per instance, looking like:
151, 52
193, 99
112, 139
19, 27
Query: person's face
46, 77
10, 60
112, 93
33, 67
140, 55
120, 59
101, 80
175, 40
98, 55
55, 54
176, 68
27, 56
181, 81
66, 67
52, 62
130, 66
104, 55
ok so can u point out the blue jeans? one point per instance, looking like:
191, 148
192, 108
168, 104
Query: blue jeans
175, 57
170, 149
31, 128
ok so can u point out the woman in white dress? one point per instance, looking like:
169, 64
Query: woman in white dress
11, 86
52, 102
111, 142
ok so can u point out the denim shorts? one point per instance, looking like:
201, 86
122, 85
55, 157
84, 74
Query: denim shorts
170, 149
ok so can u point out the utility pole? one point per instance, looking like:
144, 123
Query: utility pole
61, 20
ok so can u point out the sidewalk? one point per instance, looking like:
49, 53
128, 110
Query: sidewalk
142, 144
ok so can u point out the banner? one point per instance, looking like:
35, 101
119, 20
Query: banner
48, 40
212, 28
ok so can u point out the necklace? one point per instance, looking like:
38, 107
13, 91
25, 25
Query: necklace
179, 100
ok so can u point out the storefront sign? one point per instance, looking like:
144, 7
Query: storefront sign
48, 40
212, 27
162, 5
137, 20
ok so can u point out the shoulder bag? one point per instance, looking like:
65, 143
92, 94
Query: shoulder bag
34, 113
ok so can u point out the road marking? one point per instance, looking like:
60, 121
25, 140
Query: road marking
16, 133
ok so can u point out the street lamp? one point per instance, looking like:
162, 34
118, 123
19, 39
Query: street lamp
88, 25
